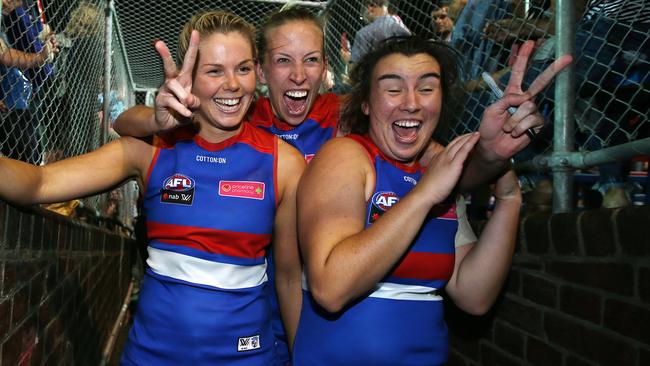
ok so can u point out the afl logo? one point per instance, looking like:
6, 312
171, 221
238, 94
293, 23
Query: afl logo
384, 200
178, 183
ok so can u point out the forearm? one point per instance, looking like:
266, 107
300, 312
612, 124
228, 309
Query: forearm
289, 289
137, 121
483, 270
481, 168
22, 60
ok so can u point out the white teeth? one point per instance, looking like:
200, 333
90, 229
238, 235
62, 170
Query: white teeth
297, 93
407, 123
228, 102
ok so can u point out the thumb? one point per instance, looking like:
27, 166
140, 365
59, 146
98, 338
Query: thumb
192, 101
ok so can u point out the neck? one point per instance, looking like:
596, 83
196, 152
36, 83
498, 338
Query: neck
215, 134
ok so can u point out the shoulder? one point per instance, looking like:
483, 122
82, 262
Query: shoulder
290, 166
289, 154
342, 152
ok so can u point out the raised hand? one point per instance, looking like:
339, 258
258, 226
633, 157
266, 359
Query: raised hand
445, 167
175, 101
502, 134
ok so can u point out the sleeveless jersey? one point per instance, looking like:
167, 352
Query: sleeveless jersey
210, 212
400, 322
320, 125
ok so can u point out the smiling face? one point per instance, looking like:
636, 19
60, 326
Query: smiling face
224, 81
404, 104
293, 68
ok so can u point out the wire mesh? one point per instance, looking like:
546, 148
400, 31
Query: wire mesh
52, 106
52, 101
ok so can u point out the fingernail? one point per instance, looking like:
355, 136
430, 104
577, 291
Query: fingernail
154, 41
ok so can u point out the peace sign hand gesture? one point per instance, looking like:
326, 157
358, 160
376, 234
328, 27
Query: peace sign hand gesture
503, 135
175, 102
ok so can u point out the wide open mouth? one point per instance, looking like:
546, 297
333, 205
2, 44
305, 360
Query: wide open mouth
406, 131
296, 101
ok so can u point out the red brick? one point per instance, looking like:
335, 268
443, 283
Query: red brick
509, 339
20, 305
537, 234
540, 353
580, 303
628, 319
644, 357
523, 316
456, 359
490, 355
597, 233
615, 277
576, 361
3, 214
50, 235
564, 233
591, 343
37, 235
540, 290
12, 227
513, 282
26, 229
644, 284
5, 316
633, 230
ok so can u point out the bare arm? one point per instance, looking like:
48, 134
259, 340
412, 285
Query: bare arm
481, 268
23, 60
342, 259
288, 268
79, 176
138, 121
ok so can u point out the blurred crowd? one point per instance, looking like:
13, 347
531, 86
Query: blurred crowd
43, 90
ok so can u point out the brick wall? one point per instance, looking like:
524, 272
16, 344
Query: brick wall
62, 284
578, 294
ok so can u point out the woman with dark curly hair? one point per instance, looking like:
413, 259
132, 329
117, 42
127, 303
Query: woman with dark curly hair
379, 233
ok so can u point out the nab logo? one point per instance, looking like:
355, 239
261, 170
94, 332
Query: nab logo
179, 183
248, 343
178, 189
384, 200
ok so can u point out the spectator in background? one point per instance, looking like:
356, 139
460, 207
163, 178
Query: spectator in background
18, 129
381, 25
612, 62
468, 38
442, 22
26, 32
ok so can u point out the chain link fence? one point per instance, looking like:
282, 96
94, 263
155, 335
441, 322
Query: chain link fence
52, 102
53, 106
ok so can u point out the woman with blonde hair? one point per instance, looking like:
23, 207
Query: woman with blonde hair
214, 193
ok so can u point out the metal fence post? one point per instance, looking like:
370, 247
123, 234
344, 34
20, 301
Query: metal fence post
564, 108
108, 64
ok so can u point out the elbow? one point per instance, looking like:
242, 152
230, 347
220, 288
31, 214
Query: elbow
476, 307
327, 297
